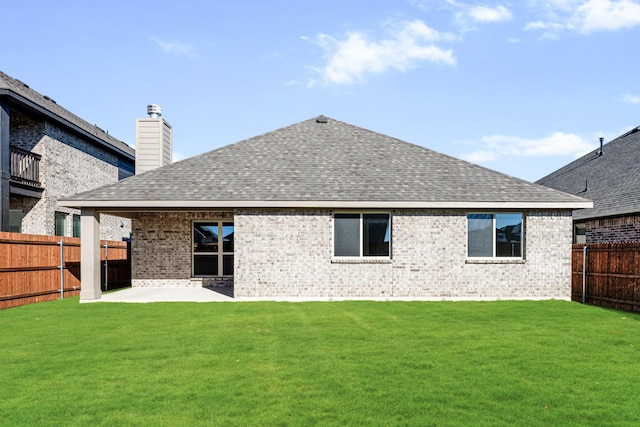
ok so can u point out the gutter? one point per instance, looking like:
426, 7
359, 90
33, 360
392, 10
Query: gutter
130, 205
608, 215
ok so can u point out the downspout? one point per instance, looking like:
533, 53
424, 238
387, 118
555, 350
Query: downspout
106, 266
5, 168
584, 274
61, 243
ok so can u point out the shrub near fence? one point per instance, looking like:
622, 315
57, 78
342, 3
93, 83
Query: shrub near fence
611, 277
30, 267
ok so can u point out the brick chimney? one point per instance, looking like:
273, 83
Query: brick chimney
153, 141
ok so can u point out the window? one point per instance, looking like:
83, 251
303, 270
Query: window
212, 249
361, 234
60, 224
76, 225
580, 233
494, 235
15, 220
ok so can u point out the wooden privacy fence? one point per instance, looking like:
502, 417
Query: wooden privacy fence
610, 277
36, 268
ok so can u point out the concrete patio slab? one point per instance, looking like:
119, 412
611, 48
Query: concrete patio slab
143, 295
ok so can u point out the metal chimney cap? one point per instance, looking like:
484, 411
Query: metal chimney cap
154, 111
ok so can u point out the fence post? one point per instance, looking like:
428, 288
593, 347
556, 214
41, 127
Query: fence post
106, 265
584, 274
61, 268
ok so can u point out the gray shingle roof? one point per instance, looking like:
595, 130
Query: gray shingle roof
21, 93
611, 180
318, 161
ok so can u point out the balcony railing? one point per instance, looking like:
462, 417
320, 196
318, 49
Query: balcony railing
25, 167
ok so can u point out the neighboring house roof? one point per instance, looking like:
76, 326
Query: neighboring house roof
323, 162
21, 94
611, 178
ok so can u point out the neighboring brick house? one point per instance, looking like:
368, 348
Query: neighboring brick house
326, 209
47, 153
610, 177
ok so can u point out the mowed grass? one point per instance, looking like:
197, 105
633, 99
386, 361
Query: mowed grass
302, 364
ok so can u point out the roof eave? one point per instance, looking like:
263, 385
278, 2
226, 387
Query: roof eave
332, 204
588, 215
45, 112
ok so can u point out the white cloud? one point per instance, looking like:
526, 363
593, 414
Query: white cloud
176, 157
498, 147
466, 15
586, 16
480, 156
550, 30
551, 6
272, 55
489, 14
544, 26
606, 15
176, 48
631, 99
351, 58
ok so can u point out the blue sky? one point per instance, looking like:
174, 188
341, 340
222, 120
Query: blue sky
522, 87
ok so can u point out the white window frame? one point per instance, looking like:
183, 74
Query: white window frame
494, 237
361, 235
221, 253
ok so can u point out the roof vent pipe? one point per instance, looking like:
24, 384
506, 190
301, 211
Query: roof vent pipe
600, 152
154, 111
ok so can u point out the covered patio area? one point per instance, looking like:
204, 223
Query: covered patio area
171, 249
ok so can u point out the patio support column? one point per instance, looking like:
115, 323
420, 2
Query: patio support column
90, 255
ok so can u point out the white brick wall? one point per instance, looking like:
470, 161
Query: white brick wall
69, 165
288, 253
430, 258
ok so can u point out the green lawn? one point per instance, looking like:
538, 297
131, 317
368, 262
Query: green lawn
302, 364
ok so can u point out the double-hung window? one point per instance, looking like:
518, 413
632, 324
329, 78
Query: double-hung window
212, 253
361, 235
495, 235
